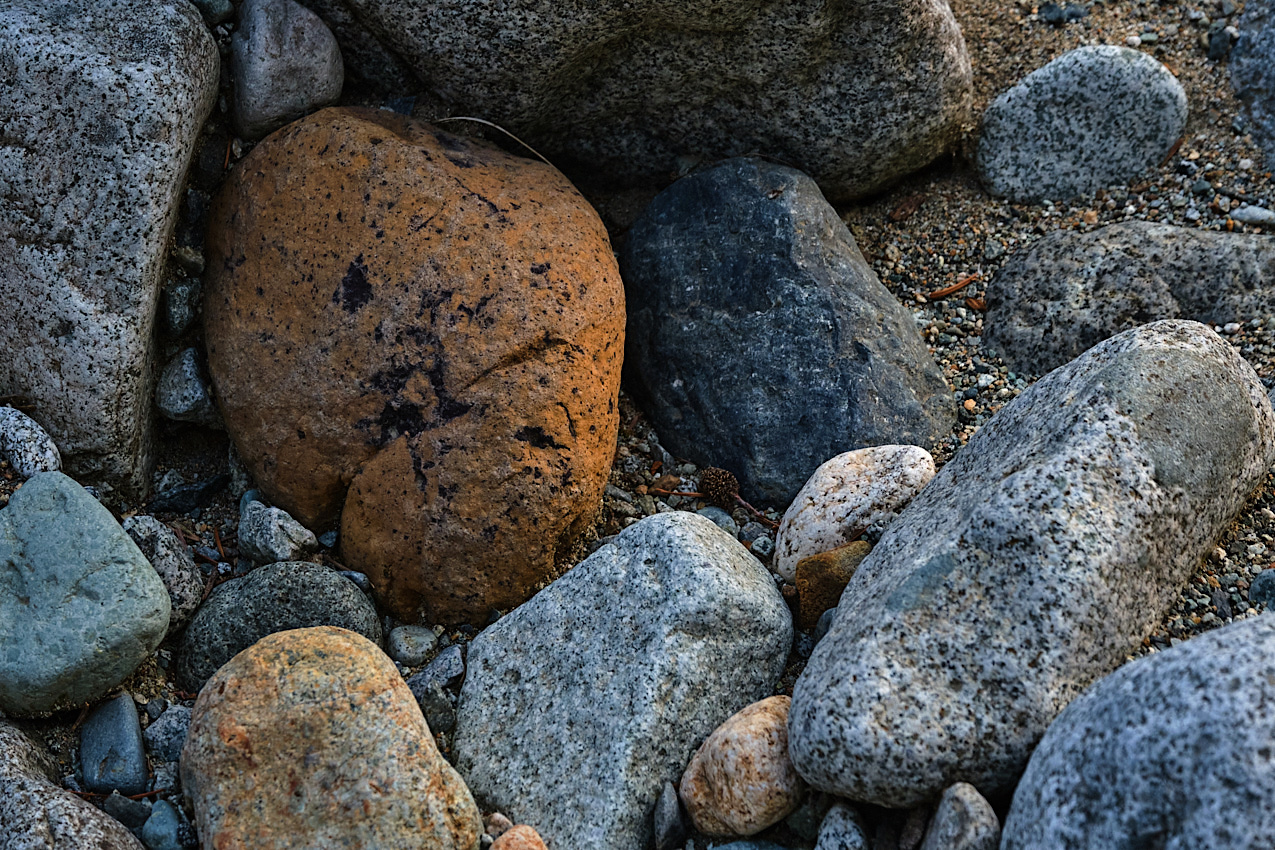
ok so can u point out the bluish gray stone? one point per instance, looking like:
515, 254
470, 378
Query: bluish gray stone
438, 706
268, 535
162, 830
411, 645
131, 813
25, 445
446, 669
1262, 590
174, 563
1253, 69
81, 606
842, 829
179, 306
964, 820
760, 339
184, 392
111, 753
165, 736
669, 826
721, 519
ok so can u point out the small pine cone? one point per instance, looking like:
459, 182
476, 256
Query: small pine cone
719, 487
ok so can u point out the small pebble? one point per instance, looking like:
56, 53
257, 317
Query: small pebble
1262, 590
111, 752
162, 830
1134, 41
521, 837
411, 645
498, 824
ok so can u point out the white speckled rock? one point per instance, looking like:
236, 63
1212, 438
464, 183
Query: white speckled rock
1093, 117
183, 392
581, 703
92, 190
842, 829
268, 535
846, 495
1030, 566
172, 560
1172, 750
25, 445
1253, 69
964, 820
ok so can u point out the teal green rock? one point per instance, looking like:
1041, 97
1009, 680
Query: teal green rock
82, 606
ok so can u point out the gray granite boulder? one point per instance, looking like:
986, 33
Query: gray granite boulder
1070, 290
760, 339
1094, 117
25, 445
92, 191
1253, 69
81, 606
288, 595
1172, 750
856, 94
174, 563
1032, 564
581, 703
964, 820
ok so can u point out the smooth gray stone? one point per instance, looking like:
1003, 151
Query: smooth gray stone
1094, 117
287, 595
1033, 564
166, 735
581, 703
411, 645
760, 339
964, 820
669, 826
268, 535
842, 829
173, 562
438, 706
1253, 69
111, 751
179, 306
1172, 750
162, 830
183, 393
25, 445
81, 606
1071, 290
132, 813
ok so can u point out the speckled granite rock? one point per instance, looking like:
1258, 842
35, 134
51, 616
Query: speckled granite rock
1253, 69
182, 394
964, 820
1030, 566
82, 607
759, 338
1171, 750
1070, 290
581, 703
35, 814
846, 495
92, 191
1093, 117
273, 760
842, 829
173, 562
25, 445
268, 535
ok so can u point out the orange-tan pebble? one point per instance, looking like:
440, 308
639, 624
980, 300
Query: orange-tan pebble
521, 837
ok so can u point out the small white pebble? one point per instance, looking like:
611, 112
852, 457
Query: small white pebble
1245, 165
1134, 41
1231, 328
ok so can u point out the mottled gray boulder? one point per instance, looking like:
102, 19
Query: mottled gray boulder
1172, 750
35, 814
964, 820
1032, 564
1071, 290
184, 391
581, 703
760, 339
1094, 117
25, 445
286, 64
288, 595
92, 188
267, 534
173, 562
81, 606
856, 94
1253, 69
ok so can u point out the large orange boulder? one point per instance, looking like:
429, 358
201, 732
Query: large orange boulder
421, 335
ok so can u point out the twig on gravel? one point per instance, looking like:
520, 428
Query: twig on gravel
757, 515
956, 287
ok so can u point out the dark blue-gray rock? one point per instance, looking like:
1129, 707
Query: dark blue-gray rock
131, 813
174, 563
184, 393
721, 519
446, 669
669, 826
1262, 590
1172, 750
101, 121
825, 623
25, 445
112, 757
581, 703
1096, 116
1253, 69
842, 829
81, 606
184, 498
35, 814
1034, 563
964, 820
759, 339
411, 645
165, 736
268, 535
162, 831
1071, 290
287, 595
437, 704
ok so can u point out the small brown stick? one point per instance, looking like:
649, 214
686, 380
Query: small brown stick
1173, 151
758, 515
79, 720
956, 287
99, 794
226, 164
208, 588
217, 540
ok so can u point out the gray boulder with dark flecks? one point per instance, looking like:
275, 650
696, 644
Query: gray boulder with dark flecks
1070, 290
1253, 68
25, 445
268, 535
964, 820
759, 338
1034, 562
174, 563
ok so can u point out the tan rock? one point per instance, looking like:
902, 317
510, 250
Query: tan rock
821, 579
521, 837
311, 738
430, 325
740, 780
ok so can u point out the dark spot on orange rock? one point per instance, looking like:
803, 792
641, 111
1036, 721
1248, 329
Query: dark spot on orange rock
355, 291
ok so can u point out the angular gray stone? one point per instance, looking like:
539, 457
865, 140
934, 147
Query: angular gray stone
111, 753
286, 64
761, 340
92, 189
179, 305
842, 829
1094, 117
183, 393
581, 703
1171, 750
165, 736
25, 445
268, 535
1253, 69
81, 606
162, 829
669, 826
35, 814
173, 562
1032, 564
1070, 290
288, 595
446, 670
964, 820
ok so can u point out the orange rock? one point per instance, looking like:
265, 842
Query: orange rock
311, 738
519, 838
822, 578
421, 334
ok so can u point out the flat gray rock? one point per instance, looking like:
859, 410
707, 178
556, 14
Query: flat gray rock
1094, 117
1172, 750
81, 606
581, 703
1032, 564
760, 339
92, 191
1070, 290
1253, 69
174, 563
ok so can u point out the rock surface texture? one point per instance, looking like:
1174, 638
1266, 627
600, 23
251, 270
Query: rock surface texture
173, 563
964, 820
443, 336
760, 339
1071, 290
1095, 116
92, 190
1031, 565
580, 704
25, 445
310, 738
856, 95
1253, 69
1153, 755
